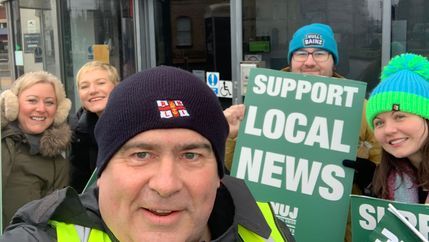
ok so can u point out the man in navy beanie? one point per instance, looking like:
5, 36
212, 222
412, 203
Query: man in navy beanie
160, 174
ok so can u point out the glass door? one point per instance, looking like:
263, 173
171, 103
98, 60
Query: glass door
96, 30
35, 37
269, 25
194, 35
410, 27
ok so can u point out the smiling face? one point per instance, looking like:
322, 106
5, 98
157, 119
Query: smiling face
311, 67
160, 186
37, 108
94, 88
401, 134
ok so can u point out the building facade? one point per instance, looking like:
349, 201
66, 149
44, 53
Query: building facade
203, 36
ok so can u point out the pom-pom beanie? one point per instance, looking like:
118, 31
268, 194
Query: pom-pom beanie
404, 87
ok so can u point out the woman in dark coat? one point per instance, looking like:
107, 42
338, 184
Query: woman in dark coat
95, 80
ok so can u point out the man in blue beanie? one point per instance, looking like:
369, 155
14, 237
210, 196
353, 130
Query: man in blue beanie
313, 51
160, 174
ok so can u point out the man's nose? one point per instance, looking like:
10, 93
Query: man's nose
310, 60
166, 181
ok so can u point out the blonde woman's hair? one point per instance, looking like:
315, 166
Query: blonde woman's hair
29, 79
112, 73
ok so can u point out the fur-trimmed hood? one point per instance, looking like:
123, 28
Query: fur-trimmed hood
53, 141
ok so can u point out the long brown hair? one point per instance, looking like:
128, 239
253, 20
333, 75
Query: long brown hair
389, 164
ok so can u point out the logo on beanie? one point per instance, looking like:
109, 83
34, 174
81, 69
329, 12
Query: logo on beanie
313, 40
171, 108
395, 107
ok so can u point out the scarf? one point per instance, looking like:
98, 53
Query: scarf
402, 187
32, 139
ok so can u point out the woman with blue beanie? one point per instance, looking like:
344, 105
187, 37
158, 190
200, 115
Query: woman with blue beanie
398, 111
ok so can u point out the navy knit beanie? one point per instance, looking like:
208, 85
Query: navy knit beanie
160, 98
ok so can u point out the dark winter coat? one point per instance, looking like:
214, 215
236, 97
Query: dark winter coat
33, 171
83, 155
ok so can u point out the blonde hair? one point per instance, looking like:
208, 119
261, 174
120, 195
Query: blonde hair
29, 79
112, 73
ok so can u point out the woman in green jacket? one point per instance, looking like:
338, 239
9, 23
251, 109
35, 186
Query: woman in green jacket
34, 138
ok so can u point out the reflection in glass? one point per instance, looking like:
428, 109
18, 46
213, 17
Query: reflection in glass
410, 27
97, 30
356, 24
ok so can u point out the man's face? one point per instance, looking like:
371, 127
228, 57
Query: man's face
311, 66
160, 186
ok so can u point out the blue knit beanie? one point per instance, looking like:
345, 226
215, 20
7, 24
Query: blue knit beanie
315, 35
404, 87
160, 98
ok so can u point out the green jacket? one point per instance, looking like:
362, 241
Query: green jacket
27, 174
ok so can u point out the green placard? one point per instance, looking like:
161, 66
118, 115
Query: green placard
296, 132
371, 220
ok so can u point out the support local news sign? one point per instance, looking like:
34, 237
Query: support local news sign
296, 132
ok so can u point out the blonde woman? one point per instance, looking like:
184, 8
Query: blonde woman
95, 80
35, 135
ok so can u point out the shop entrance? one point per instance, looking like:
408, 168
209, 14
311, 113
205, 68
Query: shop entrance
194, 36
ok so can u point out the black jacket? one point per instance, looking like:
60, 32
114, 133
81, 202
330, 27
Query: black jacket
83, 155
234, 205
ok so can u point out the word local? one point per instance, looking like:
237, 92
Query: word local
295, 128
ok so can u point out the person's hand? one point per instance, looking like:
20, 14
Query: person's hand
234, 115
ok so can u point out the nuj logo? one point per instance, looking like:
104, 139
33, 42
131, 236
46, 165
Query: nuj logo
286, 213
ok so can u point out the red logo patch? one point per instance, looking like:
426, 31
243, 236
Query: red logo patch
171, 109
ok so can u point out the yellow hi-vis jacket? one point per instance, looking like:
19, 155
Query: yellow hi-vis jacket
76, 233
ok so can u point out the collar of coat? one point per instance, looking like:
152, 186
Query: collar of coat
53, 141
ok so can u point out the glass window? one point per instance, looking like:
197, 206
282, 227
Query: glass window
269, 25
194, 35
410, 27
184, 32
96, 30
5, 74
34, 32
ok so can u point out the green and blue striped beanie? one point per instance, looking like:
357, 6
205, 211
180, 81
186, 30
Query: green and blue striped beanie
404, 87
